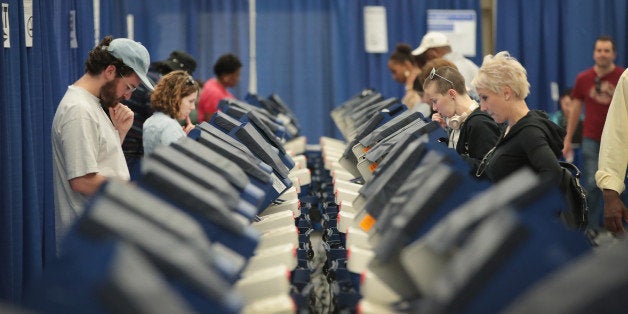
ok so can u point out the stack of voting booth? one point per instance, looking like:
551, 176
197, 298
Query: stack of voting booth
416, 232
242, 216
211, 226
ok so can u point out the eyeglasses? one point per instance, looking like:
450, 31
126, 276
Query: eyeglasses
129, 88
433, 73
598, 85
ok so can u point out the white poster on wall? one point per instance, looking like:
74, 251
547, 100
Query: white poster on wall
28, 23
96, 6
459, 26
72, 25
375, 29
130, 26
6, 30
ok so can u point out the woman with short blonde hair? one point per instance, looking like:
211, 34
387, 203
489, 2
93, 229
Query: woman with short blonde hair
503, 70
530, 138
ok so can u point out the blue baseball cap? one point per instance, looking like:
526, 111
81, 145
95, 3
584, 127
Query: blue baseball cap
134, 55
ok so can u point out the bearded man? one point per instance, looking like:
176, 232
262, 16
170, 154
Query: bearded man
86, 143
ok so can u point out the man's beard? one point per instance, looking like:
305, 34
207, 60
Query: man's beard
108, 94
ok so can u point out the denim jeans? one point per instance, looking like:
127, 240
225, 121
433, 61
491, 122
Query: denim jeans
590, 153
134, 164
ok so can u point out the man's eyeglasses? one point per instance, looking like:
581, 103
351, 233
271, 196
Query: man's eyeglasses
433, 73
598, 85
129, 88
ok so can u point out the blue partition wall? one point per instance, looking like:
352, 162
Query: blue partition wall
29, 91
554, 39
312, 52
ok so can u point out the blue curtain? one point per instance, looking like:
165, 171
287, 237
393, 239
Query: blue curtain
559, 43
71, 61
318, 42
311, 53
29, 89
204, 29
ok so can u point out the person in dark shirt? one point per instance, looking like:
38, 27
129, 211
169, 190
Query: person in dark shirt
139, 102
471, 132
530, 138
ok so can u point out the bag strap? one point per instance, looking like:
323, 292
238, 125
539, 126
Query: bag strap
571, 167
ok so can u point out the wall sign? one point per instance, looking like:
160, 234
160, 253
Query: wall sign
130, 26
28, 23
375, 29
73, 40
459, 26
6, 30
96, 6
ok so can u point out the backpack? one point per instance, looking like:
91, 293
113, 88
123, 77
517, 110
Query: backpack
576, 216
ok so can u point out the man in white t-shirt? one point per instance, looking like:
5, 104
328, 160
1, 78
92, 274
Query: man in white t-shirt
86, 143
436, 45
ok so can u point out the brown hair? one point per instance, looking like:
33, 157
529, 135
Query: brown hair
403, 53
169, 91
99, 59
427, 68
605, 38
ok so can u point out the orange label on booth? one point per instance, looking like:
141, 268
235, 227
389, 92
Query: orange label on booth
372, 167
367, 223
366, 149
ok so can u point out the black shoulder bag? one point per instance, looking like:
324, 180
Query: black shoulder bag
576, 196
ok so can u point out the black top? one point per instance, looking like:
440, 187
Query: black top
561, 120
478, 135
139, 103
533, 141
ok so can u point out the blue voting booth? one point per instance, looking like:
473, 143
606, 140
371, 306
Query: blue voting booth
192, 235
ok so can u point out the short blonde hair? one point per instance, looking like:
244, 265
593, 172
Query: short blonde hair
502, 70
169, 91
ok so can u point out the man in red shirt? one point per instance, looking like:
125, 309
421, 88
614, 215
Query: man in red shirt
227, 70
594, 89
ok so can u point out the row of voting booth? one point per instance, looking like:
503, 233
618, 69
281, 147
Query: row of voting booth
243, 216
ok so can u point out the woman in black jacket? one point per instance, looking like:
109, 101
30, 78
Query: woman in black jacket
530, 138
471, 132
